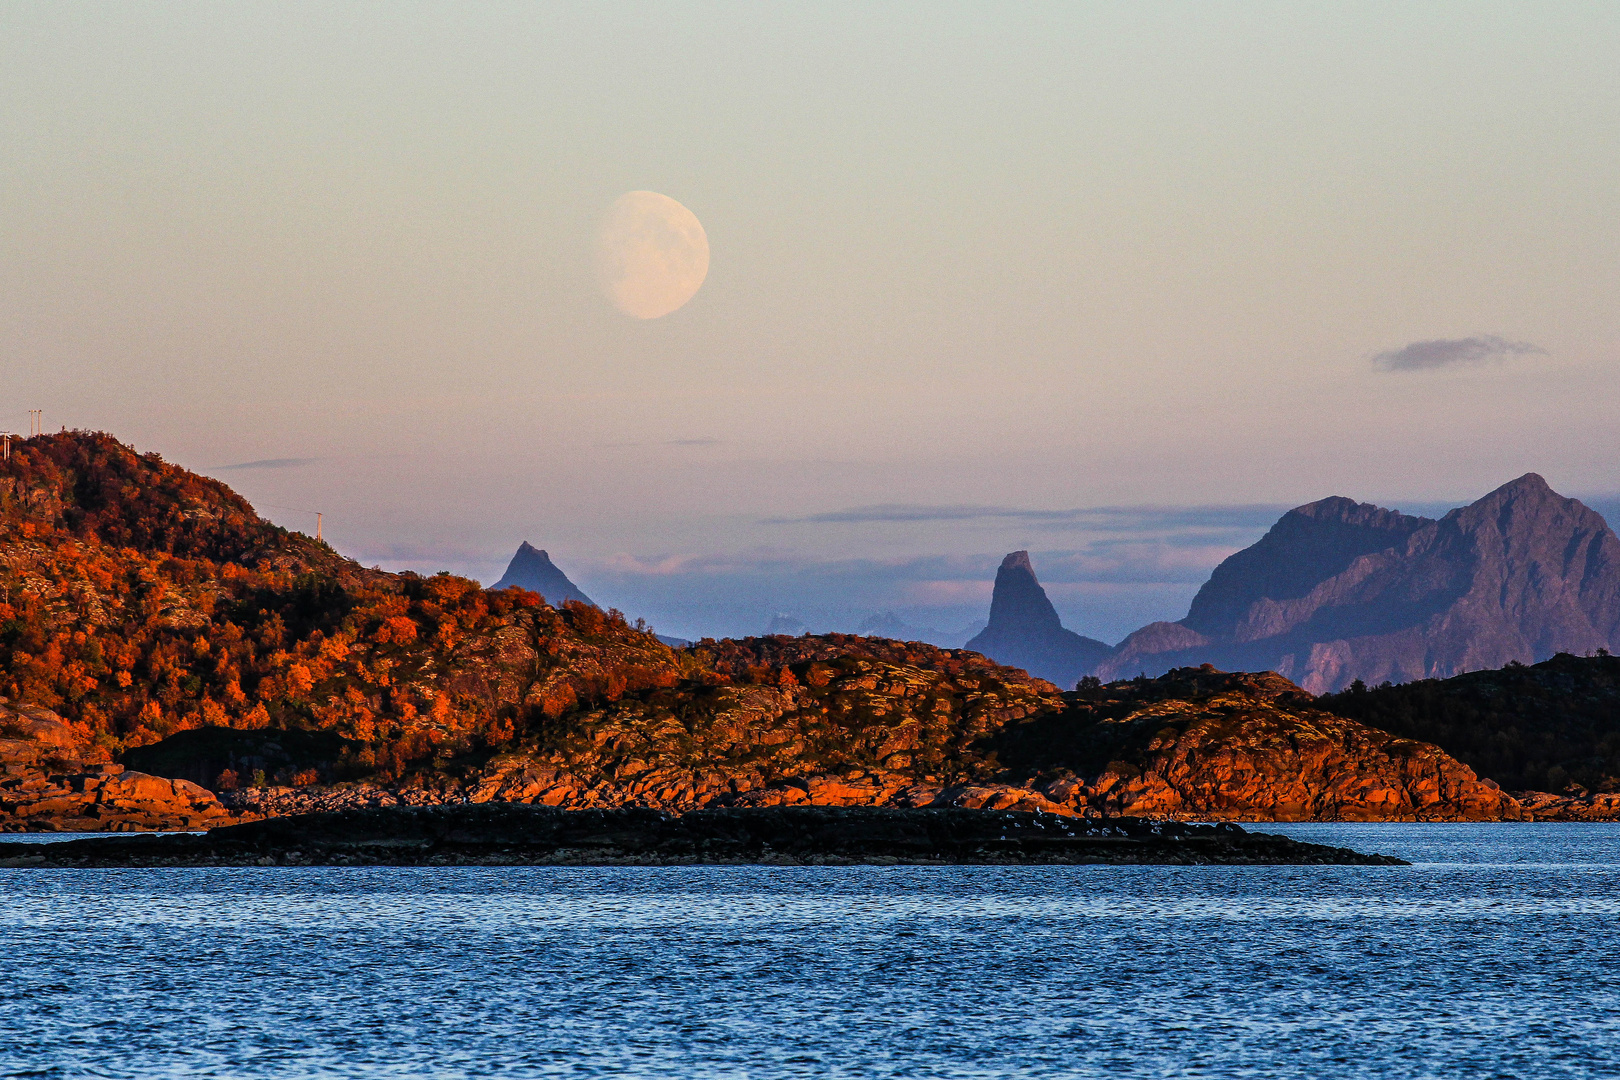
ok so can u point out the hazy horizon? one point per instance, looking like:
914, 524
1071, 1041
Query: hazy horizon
1108, 570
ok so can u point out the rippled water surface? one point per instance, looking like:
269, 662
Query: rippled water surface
1498, 954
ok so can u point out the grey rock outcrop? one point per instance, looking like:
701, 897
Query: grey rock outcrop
1025, 631
532, 569
1339, 591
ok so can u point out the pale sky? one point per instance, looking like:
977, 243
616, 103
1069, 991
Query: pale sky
1228, 256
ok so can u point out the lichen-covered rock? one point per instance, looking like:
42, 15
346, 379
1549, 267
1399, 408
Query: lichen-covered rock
1195, 744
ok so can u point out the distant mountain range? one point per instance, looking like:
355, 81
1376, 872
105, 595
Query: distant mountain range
1338, 591
890, 625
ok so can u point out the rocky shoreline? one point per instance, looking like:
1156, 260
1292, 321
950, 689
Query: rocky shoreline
494, 834
53, 780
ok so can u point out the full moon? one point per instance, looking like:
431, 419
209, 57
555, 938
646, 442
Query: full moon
651, 254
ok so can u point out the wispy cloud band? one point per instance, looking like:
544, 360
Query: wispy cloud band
1452, 352
1097, 518
269, 463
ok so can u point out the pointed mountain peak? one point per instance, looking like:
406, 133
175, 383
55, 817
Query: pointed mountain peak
1529, 494
1018, 600
1529, 483
529, 553
531, 568
1018, 560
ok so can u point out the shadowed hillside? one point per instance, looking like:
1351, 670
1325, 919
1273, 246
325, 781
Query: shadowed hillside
1546, 726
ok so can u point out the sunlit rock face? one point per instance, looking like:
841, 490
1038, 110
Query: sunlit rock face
1339, 591
533, 569
54, 779
1025, 630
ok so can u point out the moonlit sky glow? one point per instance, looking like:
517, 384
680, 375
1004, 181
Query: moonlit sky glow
1112, 282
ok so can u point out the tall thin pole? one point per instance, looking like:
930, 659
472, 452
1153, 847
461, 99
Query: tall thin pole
317, 526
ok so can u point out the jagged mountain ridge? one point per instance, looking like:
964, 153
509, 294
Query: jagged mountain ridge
1025, 630
1340, 590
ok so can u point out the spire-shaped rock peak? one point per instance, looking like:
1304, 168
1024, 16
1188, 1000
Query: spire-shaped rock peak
1018, 560
1025, 631
1018, 602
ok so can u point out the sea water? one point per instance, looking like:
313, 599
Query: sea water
1496, 955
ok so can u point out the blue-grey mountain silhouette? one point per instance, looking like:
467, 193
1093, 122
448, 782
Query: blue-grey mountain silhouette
533, 569
1340, 590
1025, 631
887, 624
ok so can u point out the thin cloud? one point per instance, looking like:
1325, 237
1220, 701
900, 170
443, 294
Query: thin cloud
1451, 352
269, 463
659, 566
1148, 561
898, 512
1099, 519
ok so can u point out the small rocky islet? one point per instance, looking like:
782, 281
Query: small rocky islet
505, 834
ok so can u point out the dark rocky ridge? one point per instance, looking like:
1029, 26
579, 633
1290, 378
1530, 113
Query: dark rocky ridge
526, 835
1552, 727
532, 569
1339, 591
1025, 631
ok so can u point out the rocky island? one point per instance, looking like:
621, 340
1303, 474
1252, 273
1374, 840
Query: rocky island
504, 834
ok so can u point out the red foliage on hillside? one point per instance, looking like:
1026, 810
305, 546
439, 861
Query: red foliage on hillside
143, 600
